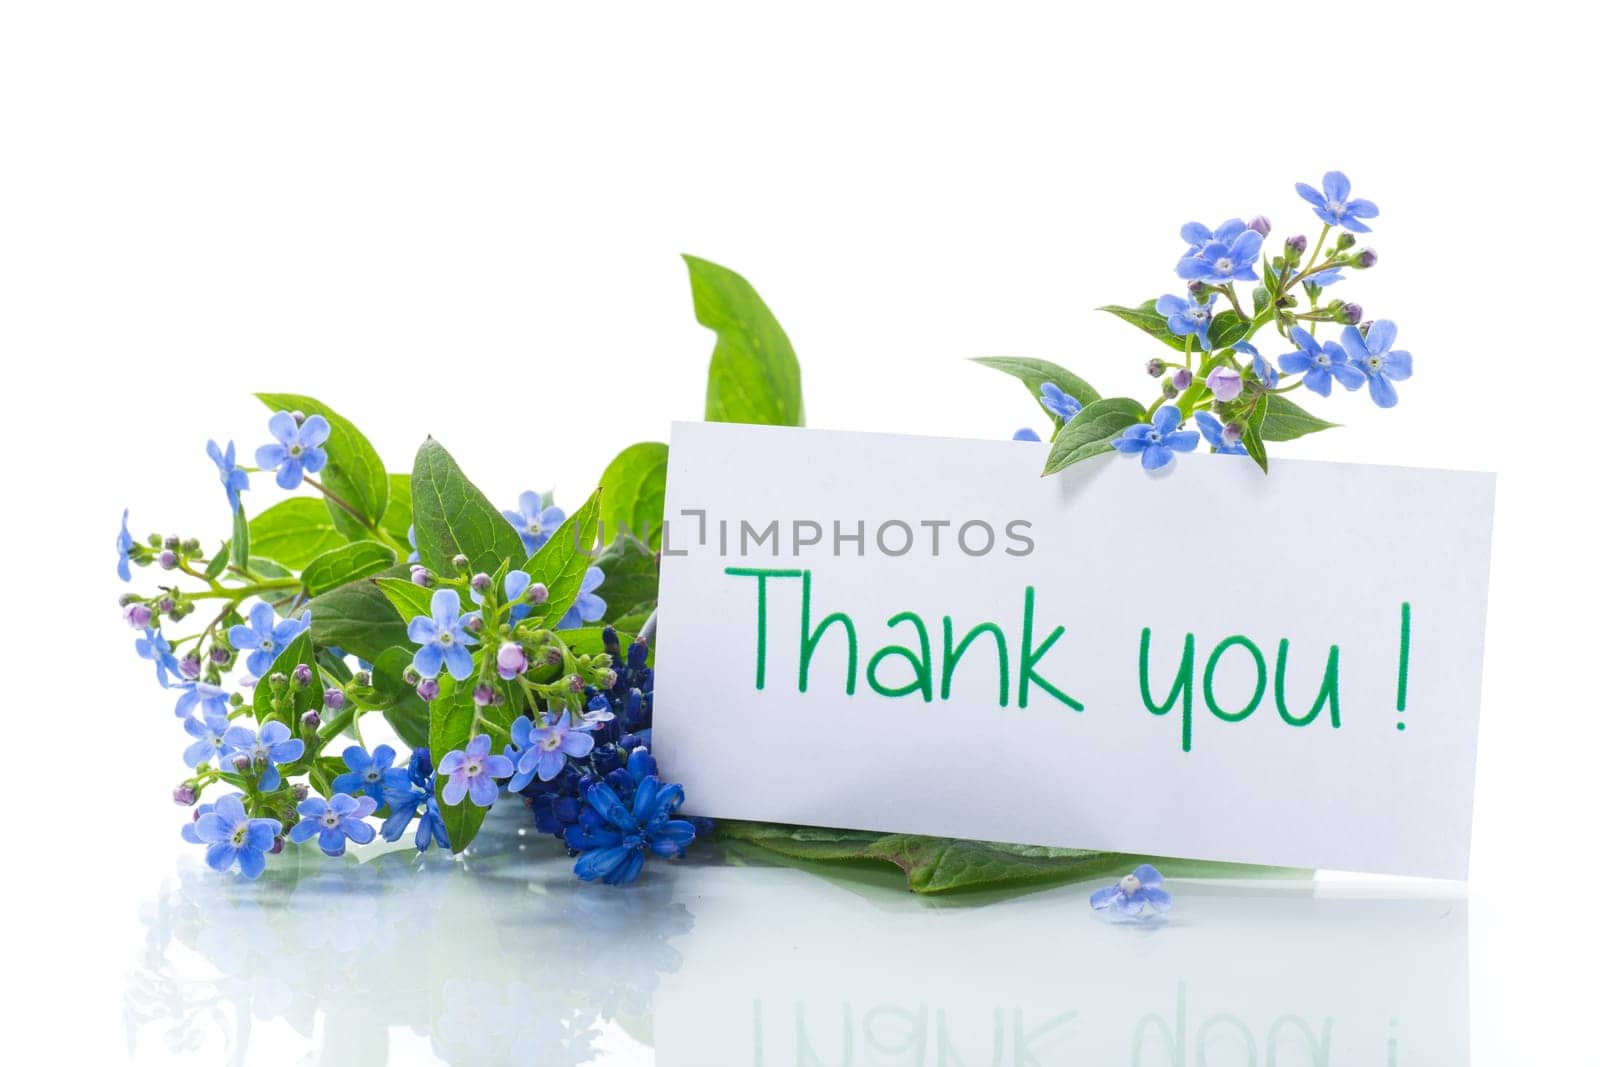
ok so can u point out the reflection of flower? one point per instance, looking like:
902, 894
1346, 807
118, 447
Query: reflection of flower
1133, 892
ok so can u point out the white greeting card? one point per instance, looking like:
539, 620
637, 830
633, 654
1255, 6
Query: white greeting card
922, 635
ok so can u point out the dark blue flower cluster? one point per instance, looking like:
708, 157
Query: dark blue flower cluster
611, 806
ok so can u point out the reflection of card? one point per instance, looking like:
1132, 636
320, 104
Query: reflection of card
1234, 976
921, 635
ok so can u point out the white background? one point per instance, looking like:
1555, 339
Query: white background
464, 222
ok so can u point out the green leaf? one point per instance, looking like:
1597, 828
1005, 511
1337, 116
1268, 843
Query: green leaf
931, 864
404, 710
219, 560
450, 728
407, 598
1260, 298
354, 472
396, 521
453, 517
632, 578
450, 722
300, 650
1091, 431
1035, 372
754, 375
295, 531
1148, 319
1228, 329
358, 559
634, 490
239, 547
1285, 420
1252, 436
942, 865
358, 618
561, 563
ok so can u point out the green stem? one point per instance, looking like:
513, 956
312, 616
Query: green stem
366, 524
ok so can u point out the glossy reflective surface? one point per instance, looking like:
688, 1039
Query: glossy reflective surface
507, 959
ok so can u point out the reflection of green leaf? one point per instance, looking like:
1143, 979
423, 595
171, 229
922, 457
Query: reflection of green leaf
354, 472
1035, 372
634, 491
941, 864
1091, 431
754, 375
1148, 319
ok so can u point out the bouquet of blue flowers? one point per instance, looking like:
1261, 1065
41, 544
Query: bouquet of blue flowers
510, 650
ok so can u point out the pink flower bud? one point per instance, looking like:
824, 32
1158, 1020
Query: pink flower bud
1225, 383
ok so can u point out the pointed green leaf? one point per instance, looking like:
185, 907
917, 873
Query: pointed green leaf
354, 472
295, 531
1148, 319
754, 375
634, 488
453, 517
348, 562
632, 578
1227, 330
408, 598
450, 719
1285, 420
239, 546
404, 710
1252, 436
1091, 431
1035, 372
358, 618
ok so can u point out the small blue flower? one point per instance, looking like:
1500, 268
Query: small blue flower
1374, 356
1198, 236
1187, 316
369, 774
1025, 434
1133, 892
1058, 403
265, 750
472, 772
298, 450
444, 638
1334, 206
613, 836
231, 837
544, 750
1266, 373
588, 607
1324, 278
265, 637
1321, 363
155, 648
124, 550
1220, 261
210, 740
516, 584
1212, 430
234, 480
1156, 441
534, 521
333, 820
210, 699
